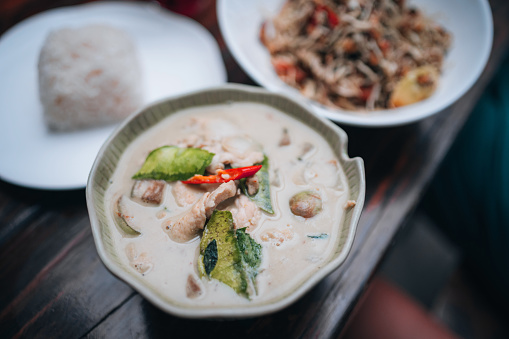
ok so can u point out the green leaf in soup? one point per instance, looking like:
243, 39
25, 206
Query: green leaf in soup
262, 197
250, 250
210, 257
172, 163
229, 267
251, 253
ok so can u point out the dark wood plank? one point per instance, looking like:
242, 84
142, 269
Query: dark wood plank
52, 282
54, 285
14, 11
139, 319
19, 206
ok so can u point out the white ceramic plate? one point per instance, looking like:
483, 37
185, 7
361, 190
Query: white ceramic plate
177, 55
469, 21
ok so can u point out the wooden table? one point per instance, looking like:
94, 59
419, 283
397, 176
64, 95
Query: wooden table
53, 284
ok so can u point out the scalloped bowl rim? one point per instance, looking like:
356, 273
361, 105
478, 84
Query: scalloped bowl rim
244, 93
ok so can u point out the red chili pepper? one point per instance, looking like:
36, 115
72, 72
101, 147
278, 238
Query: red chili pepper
384, 45
366, 92
331, 16
224, 175
285, 69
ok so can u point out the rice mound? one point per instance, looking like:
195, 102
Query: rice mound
88, 76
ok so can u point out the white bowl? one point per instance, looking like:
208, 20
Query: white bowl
103, 227
469, 21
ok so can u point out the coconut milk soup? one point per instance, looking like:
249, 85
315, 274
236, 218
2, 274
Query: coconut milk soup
175, 236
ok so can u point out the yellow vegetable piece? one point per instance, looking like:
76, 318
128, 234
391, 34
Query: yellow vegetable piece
418, 84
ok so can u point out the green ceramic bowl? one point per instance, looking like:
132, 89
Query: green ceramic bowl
110, 153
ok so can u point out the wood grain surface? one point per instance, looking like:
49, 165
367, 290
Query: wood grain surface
53, 284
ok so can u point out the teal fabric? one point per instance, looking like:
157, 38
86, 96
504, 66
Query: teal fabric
469, 196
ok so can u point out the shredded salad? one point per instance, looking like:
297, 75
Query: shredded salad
356, 54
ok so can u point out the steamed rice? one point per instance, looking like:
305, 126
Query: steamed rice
88, 76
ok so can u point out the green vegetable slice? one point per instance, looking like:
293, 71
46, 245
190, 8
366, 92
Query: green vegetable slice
122, 220
172, 163
229, 267
230, 256
262, 197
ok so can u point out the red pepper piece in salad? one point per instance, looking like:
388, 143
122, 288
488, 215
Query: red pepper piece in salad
331, 16
288, 70
224, 175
